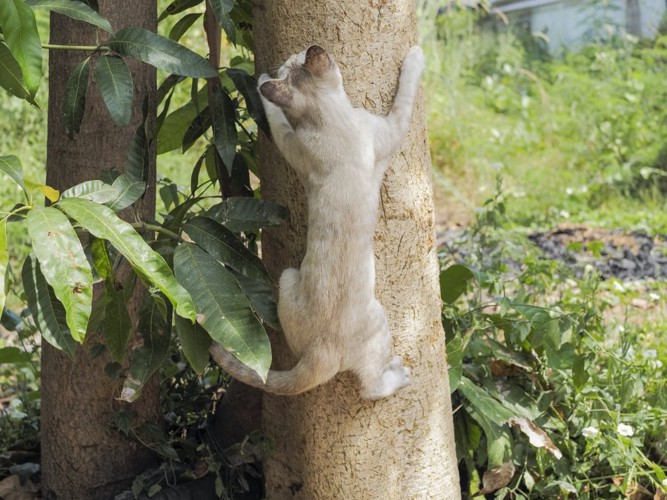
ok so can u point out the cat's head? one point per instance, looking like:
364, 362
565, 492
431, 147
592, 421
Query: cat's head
304, 81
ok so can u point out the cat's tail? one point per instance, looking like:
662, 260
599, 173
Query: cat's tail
309, 372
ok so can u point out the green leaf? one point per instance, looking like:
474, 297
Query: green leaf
11, 166
248, 214
195, 343
247, 86
182, 26
96, 191
13, 355
47, 312
114, 80
223, 118
454, 282
176, 124
64, 265
488, 406
178, 6
499, 443
137, 162
154, 330
198, 127
75, 98
226, 247
74, 9
222, 308
261, 297
103, 223
4, 261
11, 77
117, 325
221, 10
160, 52
19, 29
128, 191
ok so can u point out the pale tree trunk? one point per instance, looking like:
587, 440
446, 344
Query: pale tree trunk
330, 444
81, 457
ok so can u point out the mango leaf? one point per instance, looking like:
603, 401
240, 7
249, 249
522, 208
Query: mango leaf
261, 297
4, 261
11, 77
47, 312
11, 166
499, 443
198, 127
117, 325
223, 118
160, 52
247, 86
195, 342
137, 162
154, 330
480, 399
454, 282
182, 26
51, 194
222, 308
95, 190
103, 223
19, 29
221, 10
64, 265
226, 247
178, 6
13, 355
74, 9
176, 124
114, 80
247, 214
75, 98
128, 191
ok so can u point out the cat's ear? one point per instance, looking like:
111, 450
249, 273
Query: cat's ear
277, 92
318, 61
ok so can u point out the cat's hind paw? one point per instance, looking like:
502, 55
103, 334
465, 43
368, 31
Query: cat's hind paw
394, 377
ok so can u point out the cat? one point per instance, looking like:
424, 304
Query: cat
327, 308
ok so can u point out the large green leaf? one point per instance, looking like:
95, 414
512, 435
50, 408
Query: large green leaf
13, 355
155, 332
248, 214
114, 80
11, 166
261, 298
160, 52
223, 117
4, 261
74, 9
95, 190
137, 162
103, 223
225, 246
75, 98
19, 29
177, 6
487, 405
182, 26
222, 307
128, 191
221, 10
454, 282
195, 342
11, 77
176, 124
64, 265
47, 312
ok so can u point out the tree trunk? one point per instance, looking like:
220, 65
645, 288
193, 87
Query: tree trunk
329, 443
81, 457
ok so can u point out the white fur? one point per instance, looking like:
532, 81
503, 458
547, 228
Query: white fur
327, 308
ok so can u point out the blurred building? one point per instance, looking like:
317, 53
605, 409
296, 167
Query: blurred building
572, 22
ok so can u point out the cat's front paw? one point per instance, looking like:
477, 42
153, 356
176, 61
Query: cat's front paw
414, 60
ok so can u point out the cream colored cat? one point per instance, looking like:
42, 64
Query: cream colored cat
327, 308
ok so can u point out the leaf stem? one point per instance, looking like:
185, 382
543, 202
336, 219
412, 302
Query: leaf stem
51, 46
142, 226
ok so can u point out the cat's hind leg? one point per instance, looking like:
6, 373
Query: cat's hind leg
291, 311
380, 374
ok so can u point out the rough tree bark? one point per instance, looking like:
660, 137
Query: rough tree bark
81, 457
328, 442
